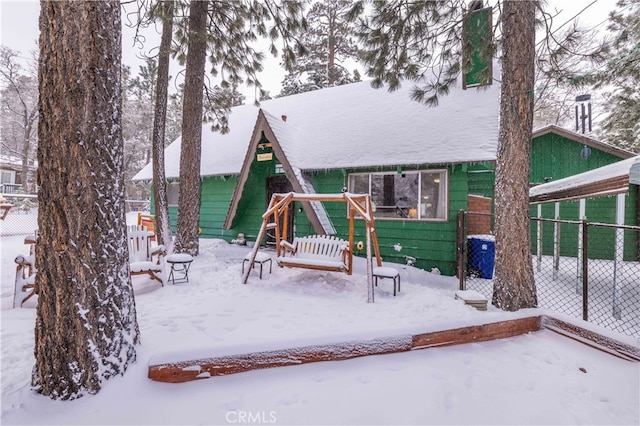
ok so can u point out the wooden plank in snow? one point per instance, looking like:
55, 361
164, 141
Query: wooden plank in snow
183, 371
477, 333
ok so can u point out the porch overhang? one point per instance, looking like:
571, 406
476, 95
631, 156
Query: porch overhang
608, 180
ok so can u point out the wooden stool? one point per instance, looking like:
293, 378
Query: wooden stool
387, 272
261, 258
180, 263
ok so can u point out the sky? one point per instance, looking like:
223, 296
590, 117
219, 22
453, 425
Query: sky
540, 378
19, 23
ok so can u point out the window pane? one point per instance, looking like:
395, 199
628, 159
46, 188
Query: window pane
173, 193
412, 195
433, 199
394, 195
359, 184
406, 195
6, 176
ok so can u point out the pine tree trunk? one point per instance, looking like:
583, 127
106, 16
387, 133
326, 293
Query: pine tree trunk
514, 286
86, 328
190, 153
161, 207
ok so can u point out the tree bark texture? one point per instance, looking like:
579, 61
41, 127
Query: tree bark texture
86, 329
190, 153
161, 207
514, 286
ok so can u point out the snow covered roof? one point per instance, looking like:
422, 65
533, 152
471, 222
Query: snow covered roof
276, 129
356, 125
608, 180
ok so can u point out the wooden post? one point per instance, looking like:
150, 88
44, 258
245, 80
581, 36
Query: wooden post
263, 230
352, 215
374, 233
461, 250
285, 224
370, 294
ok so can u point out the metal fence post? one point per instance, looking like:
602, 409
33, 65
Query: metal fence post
556, 242
539, 240
585, 270
461, 248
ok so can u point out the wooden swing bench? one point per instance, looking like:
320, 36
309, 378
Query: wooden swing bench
323, 252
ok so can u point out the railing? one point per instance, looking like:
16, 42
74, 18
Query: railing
583, 269
10, 188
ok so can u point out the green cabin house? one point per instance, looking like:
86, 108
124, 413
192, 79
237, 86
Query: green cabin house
420, 164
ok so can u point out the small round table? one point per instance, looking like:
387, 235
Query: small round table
180, 263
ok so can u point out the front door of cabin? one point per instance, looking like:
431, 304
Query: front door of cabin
279, 185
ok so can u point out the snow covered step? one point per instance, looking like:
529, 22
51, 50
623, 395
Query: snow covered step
472, 298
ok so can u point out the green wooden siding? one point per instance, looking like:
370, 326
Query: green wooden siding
431, 243
216, 193
482, 179
601, 239
555, 157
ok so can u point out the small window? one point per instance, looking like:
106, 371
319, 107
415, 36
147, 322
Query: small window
7, 176
173, 193
415, 195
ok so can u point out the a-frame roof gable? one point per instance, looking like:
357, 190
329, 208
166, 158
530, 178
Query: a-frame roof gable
272, 128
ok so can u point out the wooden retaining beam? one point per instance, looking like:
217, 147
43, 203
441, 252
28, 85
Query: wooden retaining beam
230, 364
477, 333
591, 338
183, 371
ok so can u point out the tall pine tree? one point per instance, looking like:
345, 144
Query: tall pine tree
164, 10
329, 41
86, 329
422, 42
190, 151
222, 34
622, 73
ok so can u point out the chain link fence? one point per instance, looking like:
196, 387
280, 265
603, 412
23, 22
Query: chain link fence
586, 270
22, 217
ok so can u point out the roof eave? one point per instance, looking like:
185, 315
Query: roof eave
585, 140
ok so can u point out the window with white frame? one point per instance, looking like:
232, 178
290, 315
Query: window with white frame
411, 195
7, 176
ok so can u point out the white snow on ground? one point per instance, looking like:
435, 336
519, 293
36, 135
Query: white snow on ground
531, 379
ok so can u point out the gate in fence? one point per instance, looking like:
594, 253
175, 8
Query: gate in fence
584, 269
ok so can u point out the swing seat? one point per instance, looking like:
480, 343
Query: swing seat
321, 252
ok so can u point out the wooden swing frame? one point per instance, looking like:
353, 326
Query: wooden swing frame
359, 204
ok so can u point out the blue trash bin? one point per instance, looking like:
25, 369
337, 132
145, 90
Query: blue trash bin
482, 253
